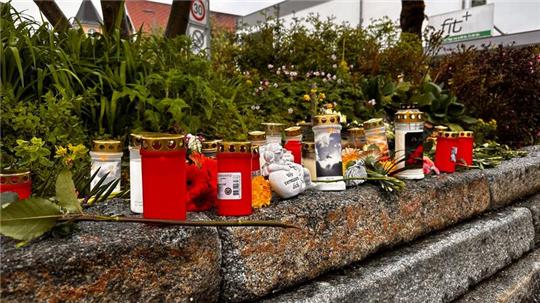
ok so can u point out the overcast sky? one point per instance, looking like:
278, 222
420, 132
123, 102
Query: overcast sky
235, 7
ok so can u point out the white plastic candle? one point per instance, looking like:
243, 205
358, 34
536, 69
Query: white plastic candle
409, 131
107, 158
329, 165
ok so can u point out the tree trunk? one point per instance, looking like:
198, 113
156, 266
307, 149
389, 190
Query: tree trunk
112, 11
412, 16
54, 14
178, 18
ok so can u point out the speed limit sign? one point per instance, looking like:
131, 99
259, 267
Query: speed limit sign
199, 11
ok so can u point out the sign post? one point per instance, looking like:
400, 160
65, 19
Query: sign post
198, 28
472, 23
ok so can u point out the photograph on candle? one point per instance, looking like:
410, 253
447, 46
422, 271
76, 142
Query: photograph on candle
328, 152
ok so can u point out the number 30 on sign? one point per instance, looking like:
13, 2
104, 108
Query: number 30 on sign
198, 11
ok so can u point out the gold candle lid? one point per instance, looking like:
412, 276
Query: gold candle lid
330, 119
273, 128
256, 135
373, 123
163, 142
136, 138
448, 134
12, 177
409, 117
308, 147
210, 145
293, 131
465, 134
234, 147
107, 146
357, 131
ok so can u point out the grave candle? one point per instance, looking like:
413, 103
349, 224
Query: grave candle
376, 134
293, 142
209, 148
465, 147
308, 158
446, 151
409, 126
329, 167
273, 132
357, 137
106, 156
16, 181
234, 179
163, 162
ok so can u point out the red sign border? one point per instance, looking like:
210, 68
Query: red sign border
204, 11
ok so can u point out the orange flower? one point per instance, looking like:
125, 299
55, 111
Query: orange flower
261, 192
348, 155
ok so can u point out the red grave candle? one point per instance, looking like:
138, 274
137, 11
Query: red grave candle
465, 144
293, 142
234, 179
18, 182
446, 151
163, 160
255, 162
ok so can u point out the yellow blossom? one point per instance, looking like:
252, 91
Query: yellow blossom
249, 82
322, 96
313, 90
261, 192
61, 151
307, 97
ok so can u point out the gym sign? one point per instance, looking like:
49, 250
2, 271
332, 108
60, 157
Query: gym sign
472, 23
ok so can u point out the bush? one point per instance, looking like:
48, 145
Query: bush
501, 83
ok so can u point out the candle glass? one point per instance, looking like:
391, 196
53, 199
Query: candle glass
409, 147
209, 148
357, 137
376, 134
258, 142
329, 165
308, 159
293, 142
273, 132
106, 157
16, 181
465, 147
446, 151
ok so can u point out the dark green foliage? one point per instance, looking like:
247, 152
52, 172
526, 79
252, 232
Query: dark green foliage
501, 83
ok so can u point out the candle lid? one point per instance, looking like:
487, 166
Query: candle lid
409, 117
107, 146
356, 130
409, 106
234, 147
326, 119
273, 128
162, 142
448, 134
308, 147
373, 123
136, 138
293, 131
465, 134
256, 135
210, 145
14, 177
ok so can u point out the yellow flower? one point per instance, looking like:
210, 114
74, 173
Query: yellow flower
322, 96
260, 192
313, 90
249, 82
78, 149
61, 151
307, 97
348, 155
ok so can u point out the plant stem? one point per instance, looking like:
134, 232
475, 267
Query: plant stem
86, 217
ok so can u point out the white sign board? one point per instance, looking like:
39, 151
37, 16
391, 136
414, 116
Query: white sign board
199, 25
472, 23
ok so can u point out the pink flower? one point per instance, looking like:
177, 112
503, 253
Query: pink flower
429, 166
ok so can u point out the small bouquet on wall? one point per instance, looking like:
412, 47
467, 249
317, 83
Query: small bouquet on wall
201, 177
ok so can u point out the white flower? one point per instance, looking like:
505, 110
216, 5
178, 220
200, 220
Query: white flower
283, 67
316, 74
308, 74
329, 75
372, 102
266, 83
261, 88
278, 72
294, 74
334, 66
286, 72
257, 107
351, 66
275, 85
322, 74
290, 110
256, 90
324, 80
334, 77
270, 66
292, 66
334, 57
339, 81
253, 107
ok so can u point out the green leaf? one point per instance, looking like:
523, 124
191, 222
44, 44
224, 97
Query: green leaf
66, 193
28, 219
455, 127
468, 119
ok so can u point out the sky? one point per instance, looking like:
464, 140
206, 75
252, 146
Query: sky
70, 7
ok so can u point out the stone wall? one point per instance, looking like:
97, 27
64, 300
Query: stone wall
124, 262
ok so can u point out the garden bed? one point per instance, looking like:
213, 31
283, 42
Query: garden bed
118, 261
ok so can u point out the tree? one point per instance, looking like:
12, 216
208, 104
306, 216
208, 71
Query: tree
53, 13
412, 16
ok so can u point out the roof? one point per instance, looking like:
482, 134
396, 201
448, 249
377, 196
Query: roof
88, 14
148, 14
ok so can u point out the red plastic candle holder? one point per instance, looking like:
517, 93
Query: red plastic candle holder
465, 147
293, 142
18, 182
446, 152
163, 161
234, 179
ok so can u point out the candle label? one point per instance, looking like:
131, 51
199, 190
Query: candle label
229, 186
414, 150
328, 154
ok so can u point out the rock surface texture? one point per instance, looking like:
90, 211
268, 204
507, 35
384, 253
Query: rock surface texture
436, 269
533, 204
115, 262
519, 283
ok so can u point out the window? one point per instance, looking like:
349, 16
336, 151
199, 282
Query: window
478, 2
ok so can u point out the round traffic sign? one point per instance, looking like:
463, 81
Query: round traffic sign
197, 37
198, 10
